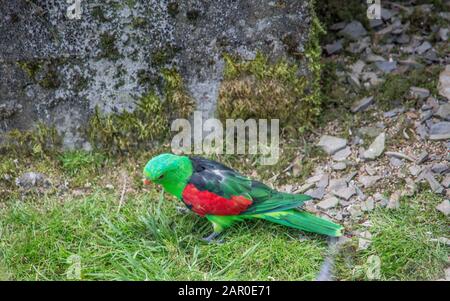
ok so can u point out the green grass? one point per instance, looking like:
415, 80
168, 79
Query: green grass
146, 239
80, 166
396, 87
149, 239
74, 161
403, 240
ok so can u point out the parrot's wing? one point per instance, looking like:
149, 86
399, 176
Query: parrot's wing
223, 181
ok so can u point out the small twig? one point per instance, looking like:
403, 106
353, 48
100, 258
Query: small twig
400, 156
406, 9
326, 214
122, 195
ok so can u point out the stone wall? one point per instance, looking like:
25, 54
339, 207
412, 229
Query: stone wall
58, 70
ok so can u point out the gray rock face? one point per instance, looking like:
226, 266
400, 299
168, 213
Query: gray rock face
32, 179
440, 131
394, 201
334, 47
425, 46
353, 31
328, 203
331, 144
358, 67
434, 184
443, 112
353, 79
369, 181
364, 240
362, 104
342, 154
443, 34
59, 69
8, 109
439, 168
444, 207
371, 58
446, 181
386, 14
368, 205
345, 193
317, 193
444, 82
403, 39
359, 46
369, 131
323, 182
395, 162
376, 148
420, 93
414, 170
386, 66
393, 112
422, 157
339, 166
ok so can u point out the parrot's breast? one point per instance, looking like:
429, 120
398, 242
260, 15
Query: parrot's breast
204, 202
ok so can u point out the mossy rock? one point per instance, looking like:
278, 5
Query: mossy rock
39, 141
108, 46
256, 90
262, 89
148, 123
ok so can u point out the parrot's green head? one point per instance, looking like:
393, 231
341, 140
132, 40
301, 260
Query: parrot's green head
171, 171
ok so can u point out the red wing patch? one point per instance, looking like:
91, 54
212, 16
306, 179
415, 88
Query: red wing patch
205, 202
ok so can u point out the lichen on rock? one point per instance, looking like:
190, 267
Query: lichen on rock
64, 72
259, 88
148, 123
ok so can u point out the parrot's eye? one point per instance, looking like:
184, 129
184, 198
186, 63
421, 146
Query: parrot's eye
160, 177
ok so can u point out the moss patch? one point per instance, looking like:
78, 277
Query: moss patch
30, 67
43, 72
108, 46
98, 14
139, 22
334, 11
257, 89
421, 20
150, 121
173, 9
37, 142
395, 88
164, 55
74, 161
50, 79
262, 89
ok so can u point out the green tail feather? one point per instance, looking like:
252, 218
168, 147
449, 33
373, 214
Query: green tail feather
303, 221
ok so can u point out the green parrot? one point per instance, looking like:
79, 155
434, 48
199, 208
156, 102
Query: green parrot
223, 196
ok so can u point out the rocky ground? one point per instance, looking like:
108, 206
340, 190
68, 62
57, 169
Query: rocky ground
387, 148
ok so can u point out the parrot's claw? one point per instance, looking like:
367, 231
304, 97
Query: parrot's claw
212, 238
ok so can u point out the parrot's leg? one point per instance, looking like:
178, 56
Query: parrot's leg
212, 238
220, 223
